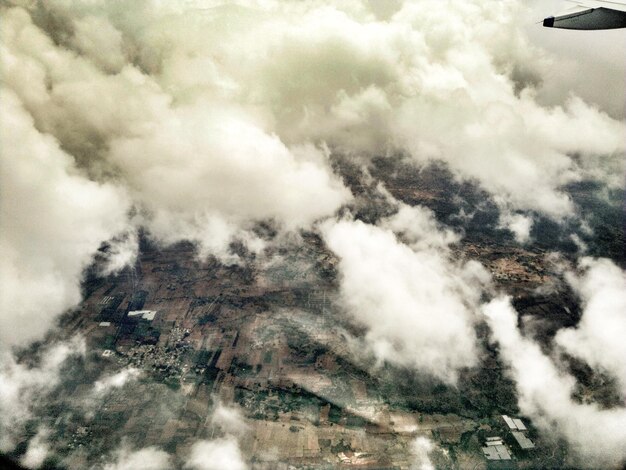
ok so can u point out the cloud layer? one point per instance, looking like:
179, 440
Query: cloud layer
21, 387
53, 220
416, 303
596, 436
195, 120
202, 118
598, 339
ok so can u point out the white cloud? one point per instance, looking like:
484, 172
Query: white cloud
122, 252
223, 453
419, 228
53, 221
421, 447
202, 171
599, 337
116, 380
218, 454
100, 41
520, 225
37, 450
417, 304
596, 436
148, 458
212, 118
206, 121
229, 419
21, 387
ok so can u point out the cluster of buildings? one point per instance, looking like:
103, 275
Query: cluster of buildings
498, 449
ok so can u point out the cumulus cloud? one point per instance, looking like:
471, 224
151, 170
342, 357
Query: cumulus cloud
53, 221
206, 117
198, 165
21, 386
598, 339
148, 458
229, 419
419, 228
221, 453
116, 380
416, 303
421, 448
37, 450
201, 118
218, 454
87, 136
224, 452
520, 225
595, 435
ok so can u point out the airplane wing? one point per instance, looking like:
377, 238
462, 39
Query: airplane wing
590, 14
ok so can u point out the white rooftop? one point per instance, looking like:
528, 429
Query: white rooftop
145, 314
499, 452
523, 441
519, 424
509, 422
514, 424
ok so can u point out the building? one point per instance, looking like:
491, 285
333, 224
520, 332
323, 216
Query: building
495, 449
143, 314
523, 441
520, 425
514, 424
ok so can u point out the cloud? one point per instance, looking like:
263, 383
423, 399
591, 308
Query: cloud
21, 387
201, 171
520, 225
148, 458
53, 221
197, 164
121, 252
229, 419
596, 436
117, 380
37, 450
598, 339
419, 228
82, 146
205, 118
416, 303
194, 120
218, 454
437, 81
421, 448
224, 452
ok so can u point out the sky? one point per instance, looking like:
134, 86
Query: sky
196, 120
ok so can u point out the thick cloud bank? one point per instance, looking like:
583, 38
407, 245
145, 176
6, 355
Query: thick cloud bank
596, 436
600, 337
21, 387
52, 221
194, 120
416, 303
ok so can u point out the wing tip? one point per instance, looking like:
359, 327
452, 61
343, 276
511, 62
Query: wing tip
549, 22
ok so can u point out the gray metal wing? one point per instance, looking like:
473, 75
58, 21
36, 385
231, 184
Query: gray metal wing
590, 14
